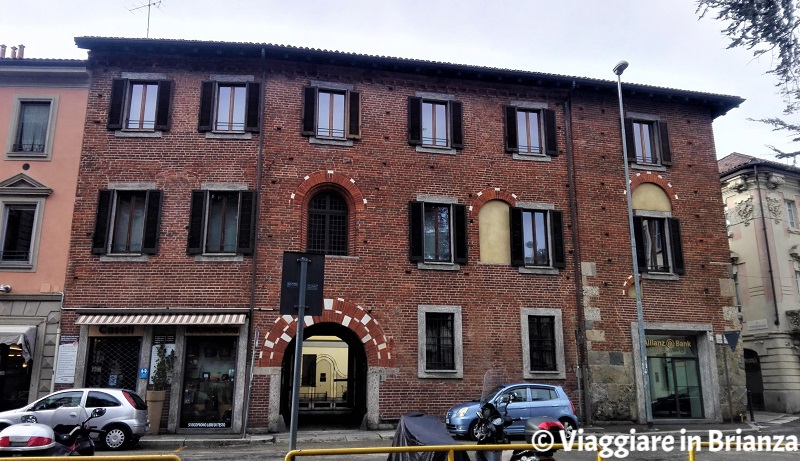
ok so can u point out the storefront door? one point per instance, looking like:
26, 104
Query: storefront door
675, 389
209, 374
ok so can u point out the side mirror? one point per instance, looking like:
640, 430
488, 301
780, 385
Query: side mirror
28, 419
98, 412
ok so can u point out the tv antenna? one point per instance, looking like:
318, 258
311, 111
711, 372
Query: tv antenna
150, 4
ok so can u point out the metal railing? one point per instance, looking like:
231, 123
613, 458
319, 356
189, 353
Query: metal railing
693, 448
107, 458
449, 449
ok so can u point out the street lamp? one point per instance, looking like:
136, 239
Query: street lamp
648, 411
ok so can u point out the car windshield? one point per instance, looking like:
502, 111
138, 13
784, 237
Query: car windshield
487, 395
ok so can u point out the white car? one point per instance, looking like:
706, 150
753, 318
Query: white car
125, 420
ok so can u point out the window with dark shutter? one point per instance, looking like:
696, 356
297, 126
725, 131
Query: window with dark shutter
253, 108
456, 125
460, 234
676, 246
550, 132
354, 115
247, 212
517, 238
152, 223
641, 253
309, 111
164, 104
415, 121
206, 116
196, 220
117, 104
512, 141
102, 222
559, 254
630, 143
666, 153
416, 232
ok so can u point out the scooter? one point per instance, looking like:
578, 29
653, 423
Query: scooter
490, 429
31, 438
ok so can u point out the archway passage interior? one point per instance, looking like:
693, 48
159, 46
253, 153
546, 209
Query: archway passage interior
333, 378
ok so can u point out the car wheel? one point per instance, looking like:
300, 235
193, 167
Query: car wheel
475, 432
117, 437
569, 426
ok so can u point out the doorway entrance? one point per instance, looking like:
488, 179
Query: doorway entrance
15, 377
333, 378
675, 389
753, 378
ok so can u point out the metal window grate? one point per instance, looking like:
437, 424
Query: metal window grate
542, 339
439, 341
114, 362
327, 224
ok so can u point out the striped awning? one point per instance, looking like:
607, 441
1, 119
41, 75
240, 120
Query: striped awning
161, 319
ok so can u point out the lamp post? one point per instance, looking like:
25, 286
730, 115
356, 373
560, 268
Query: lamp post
618, 70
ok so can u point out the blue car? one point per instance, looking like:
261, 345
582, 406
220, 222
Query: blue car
526, 400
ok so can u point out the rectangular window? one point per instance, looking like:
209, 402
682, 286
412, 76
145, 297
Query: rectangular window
221, 222
439, 341
437, 124
18, 233
658, 245
434, 124
438, 224
647, 142
536, 231
537, 238
791, 213
330, 115
542, 343
140, 105
308, 375
32, 128
230, 111
529, 134
128, 222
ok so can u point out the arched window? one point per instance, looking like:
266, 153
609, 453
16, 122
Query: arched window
327, 224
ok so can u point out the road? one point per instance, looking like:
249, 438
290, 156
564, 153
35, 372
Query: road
277, 451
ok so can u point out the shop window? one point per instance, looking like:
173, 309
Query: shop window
113, 362
209, 374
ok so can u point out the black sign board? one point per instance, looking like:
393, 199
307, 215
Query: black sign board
290, 283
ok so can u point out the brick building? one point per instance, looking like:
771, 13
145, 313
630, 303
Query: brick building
471, 219
42, 108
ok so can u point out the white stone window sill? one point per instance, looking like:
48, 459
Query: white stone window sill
538, 270
16, 267
219, 257
438, 266
123, 257
647, 167
437, 150
137, 134
660, 276
545, 375
330, 142
228, 135
441, 374
531, 157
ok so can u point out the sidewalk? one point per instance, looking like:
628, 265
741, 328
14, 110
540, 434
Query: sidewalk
384, 437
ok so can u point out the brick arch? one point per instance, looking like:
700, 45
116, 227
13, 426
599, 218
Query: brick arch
489, 194
626, 287
657, 179
319, 179
377, 345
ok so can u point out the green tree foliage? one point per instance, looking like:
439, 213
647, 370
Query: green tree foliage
163, 368
767, 28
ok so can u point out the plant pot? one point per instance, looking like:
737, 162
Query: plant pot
155, 404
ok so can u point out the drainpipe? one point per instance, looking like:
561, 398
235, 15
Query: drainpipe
583, 367
58, 344
766, 246
254, 273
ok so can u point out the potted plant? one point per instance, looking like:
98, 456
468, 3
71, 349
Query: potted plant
157, 392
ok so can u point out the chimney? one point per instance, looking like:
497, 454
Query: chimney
21, 51
13, 52
2, 51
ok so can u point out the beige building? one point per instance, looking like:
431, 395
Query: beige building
762, 199
42, 112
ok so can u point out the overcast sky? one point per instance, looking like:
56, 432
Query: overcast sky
664, 41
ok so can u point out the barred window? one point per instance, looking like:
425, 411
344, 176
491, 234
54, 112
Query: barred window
327, 224
439, 343
541, 334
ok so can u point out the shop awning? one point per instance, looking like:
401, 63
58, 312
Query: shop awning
24, 335
161, 319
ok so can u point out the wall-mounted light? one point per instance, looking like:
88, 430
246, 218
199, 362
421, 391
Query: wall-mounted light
5, 288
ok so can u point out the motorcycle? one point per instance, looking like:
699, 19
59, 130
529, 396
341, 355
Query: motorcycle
31, 438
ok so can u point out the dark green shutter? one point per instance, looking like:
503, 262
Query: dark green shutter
416, 231
117, 104
559, 254
456, 125
309, 111
205, 121
550, 132
460, 234
676, 246
512, 137
414, 121
354, 115
102, 222
197, 208
517, 237
247, 212
253, 110
666, 153
630, 143
152, 222
164, 104
641, 255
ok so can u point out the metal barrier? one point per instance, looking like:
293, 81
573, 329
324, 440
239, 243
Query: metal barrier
450, 449
106, 458
693, 447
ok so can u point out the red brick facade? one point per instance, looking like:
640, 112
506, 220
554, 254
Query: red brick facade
375, 291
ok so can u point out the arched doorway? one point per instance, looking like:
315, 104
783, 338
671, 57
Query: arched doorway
755, 384
333, 390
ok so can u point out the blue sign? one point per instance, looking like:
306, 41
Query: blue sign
143, 372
